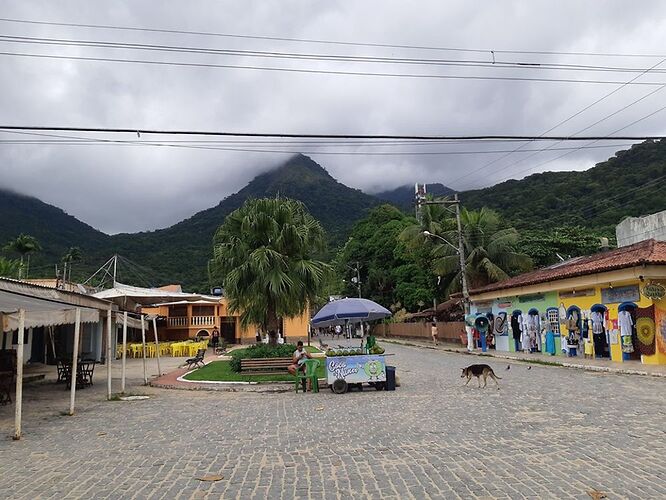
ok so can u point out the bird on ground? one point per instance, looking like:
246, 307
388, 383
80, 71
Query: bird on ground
508, 367
529, 367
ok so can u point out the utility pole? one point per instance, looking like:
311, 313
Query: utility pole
358, 279
460, 249
461, 256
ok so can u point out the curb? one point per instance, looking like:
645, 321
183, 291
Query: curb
563, 364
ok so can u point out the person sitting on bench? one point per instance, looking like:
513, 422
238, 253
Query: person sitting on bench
298, 359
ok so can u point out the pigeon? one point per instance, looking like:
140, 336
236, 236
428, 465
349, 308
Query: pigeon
529, 367
508, 367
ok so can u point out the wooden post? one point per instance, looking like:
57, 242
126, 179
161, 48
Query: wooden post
18, 404
143, 341
122, 377
75, 359
109, 354
157, 347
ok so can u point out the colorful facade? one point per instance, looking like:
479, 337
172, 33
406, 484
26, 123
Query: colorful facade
186, 320
584, 297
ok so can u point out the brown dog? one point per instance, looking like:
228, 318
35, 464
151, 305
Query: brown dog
479, 371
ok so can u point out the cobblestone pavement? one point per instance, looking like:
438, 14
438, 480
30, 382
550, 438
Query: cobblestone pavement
549, 432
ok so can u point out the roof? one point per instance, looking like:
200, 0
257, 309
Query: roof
447, 307
149, 296
648, 252
44, 306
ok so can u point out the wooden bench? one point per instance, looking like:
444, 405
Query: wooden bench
253, 366
196, 360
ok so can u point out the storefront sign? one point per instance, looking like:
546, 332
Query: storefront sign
504, 305
536, 297
654, 291
356, 369
620, 294
588, 292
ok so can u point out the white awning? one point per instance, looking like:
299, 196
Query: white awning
149, 296
131, 321
35, 319
185, 302
39, 311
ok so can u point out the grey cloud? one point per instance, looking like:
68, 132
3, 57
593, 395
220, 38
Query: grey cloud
130, 188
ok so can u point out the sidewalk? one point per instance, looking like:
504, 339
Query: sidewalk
579, 362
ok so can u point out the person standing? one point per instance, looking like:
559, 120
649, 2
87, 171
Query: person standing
434, 333
215, 338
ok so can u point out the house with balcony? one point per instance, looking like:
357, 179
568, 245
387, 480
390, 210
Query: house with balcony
182, 320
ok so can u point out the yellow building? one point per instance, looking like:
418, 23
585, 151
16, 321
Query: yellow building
185, 320
586, 295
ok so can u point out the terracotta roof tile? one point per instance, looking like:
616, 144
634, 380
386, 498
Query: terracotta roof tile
644, 252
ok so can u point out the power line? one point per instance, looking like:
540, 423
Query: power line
292, 152
474, 63
323, 71
144, 131
562, 122
325, 42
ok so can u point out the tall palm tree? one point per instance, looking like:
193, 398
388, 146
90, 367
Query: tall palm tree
490, 250
24, 245
435, 219
263, 256
73, 255
8, 268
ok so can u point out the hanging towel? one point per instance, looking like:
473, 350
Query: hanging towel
645, 330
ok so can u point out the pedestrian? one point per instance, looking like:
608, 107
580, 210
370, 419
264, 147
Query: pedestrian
434, 333
215, 338
338, 331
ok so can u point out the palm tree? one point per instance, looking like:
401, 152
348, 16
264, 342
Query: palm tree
435, 219
490, 250
263, 256
8, 268
72, 255
24, 245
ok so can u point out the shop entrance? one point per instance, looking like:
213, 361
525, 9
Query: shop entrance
228, 329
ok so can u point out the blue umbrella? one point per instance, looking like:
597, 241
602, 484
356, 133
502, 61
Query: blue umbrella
351, 310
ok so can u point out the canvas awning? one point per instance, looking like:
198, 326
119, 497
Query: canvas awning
149, 296
132, 322
44, 306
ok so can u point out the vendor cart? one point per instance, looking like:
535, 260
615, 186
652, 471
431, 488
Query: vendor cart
345, 372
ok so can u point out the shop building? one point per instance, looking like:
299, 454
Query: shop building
613, 303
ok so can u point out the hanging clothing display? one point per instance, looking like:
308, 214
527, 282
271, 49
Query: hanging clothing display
534, 331
626, 324
599, 334
525, 336
501, 325
645, 330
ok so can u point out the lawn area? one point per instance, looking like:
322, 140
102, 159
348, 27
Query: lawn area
221, 371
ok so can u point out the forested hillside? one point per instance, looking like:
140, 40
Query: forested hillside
631, 183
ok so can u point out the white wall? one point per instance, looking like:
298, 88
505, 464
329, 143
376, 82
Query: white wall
634, 229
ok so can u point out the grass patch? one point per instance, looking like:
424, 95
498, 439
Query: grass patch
221, 371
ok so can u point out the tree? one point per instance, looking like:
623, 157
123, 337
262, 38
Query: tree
490, 251
548, 247
24, 245
263, 256
73, 255
8, 268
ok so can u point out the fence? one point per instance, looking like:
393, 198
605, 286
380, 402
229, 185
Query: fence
448, 331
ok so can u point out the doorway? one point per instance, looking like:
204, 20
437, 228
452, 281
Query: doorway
228, 329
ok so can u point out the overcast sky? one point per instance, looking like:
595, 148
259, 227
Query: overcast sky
126, 188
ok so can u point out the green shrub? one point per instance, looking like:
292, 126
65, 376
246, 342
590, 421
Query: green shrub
260, 351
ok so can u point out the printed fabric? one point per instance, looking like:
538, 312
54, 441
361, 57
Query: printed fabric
645, 330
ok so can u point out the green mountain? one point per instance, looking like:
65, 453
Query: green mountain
628, 184
180, 253
631, 183
55, 229
403, 196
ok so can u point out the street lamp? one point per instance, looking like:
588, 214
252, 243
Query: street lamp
461, 255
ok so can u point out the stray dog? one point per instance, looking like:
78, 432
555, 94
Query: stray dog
479, 371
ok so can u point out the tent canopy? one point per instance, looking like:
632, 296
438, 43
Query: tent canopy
350, 310
149, 296
44, 306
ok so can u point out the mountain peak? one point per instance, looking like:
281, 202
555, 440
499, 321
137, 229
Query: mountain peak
299, 165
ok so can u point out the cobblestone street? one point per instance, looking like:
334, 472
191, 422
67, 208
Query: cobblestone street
549, 432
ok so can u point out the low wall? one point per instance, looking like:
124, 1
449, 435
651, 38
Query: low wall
448, 331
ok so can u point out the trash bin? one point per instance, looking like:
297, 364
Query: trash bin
390, 378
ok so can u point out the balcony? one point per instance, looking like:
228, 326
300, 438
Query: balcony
190, 321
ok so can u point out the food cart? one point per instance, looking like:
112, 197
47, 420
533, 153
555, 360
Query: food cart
345, 372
